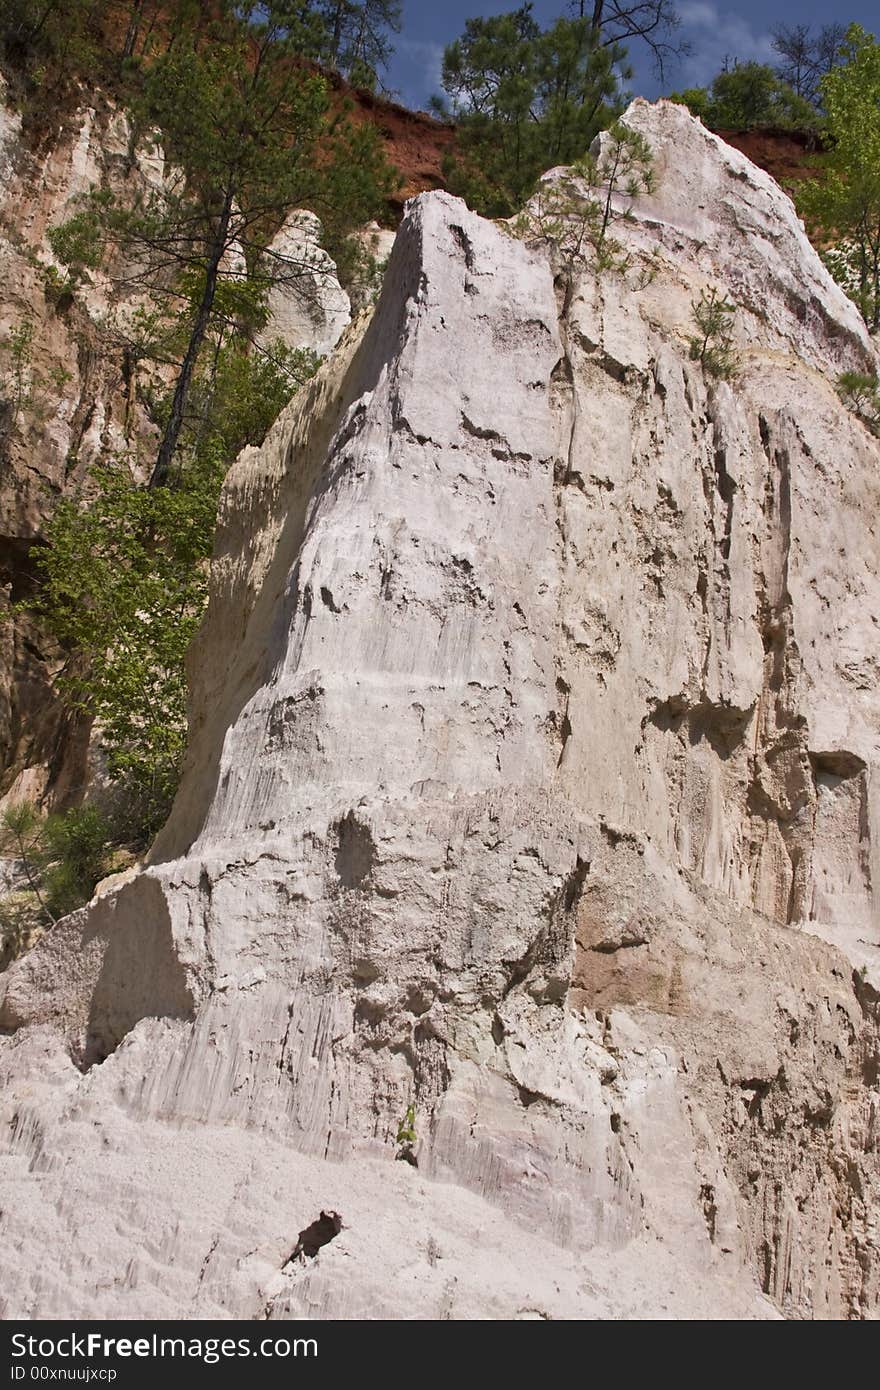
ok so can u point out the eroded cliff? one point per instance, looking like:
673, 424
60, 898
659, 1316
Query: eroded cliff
532, 784
77, 388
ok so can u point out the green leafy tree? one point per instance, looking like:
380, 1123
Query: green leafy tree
75, 854
524, 99
43, 42
19, 348
124, 587
697, 100
124, 577
748, 95
20, 836
843, 206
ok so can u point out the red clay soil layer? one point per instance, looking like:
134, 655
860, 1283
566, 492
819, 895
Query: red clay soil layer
788, 155
415, 143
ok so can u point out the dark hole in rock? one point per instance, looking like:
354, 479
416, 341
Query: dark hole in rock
320, 1233
354, 852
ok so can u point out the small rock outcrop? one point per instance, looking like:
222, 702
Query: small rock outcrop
529, 829
313, 309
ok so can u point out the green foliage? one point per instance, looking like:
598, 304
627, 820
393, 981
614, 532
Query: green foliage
860, 393
246, 393
77, 243
124, 576
75, 855
124, 586
20, 831
58, 289
51, 42
44, 42
749, 95
241, 111
844, 204
712, 345
697, 100
18, 350
576, 211
406, 1130
63, 856
525, 99
26, 390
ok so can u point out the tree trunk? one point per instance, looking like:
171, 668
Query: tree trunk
337, 32
38, 28
134, 24
161, 471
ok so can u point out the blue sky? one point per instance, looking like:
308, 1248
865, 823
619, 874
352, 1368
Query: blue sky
714, 29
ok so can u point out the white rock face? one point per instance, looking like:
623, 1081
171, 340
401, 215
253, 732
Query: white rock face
310, 309
10, 132
534, 734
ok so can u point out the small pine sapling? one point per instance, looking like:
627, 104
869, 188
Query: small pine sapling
575, 212
712, 345
406, 1136
19, 347
860, 393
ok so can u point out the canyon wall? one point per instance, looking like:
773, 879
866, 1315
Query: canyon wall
75, 393
531, 784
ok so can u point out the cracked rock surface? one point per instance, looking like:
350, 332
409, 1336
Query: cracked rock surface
532, 783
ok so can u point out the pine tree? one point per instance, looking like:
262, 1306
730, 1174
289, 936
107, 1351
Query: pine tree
525, 99
249, 124
358, 36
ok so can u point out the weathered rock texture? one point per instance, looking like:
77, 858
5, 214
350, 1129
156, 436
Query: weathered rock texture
532, 782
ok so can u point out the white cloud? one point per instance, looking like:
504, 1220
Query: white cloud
715, 34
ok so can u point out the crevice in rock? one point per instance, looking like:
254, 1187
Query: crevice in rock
431, 1073
464, 244
710, 1210
565, 726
